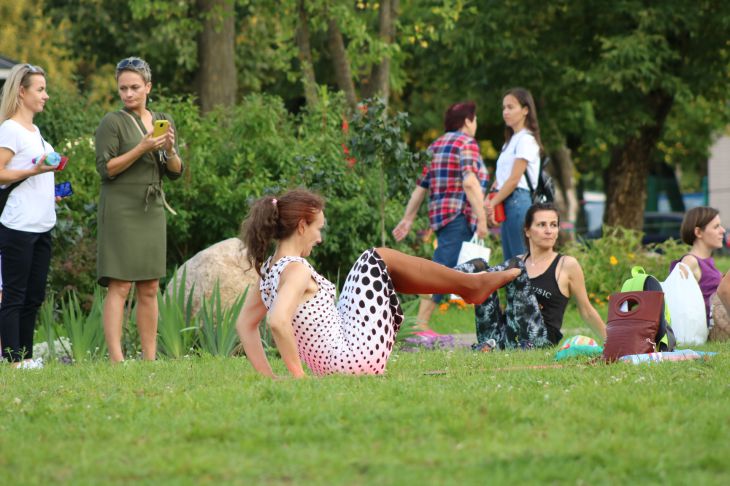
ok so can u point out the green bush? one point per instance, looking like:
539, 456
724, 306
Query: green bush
234, 155
607, 261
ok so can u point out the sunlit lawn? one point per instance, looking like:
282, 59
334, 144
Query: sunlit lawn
437, 417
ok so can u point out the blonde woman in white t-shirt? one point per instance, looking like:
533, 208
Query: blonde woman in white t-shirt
29, 214
520, 158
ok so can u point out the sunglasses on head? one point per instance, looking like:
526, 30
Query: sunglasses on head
33, 69
133, 63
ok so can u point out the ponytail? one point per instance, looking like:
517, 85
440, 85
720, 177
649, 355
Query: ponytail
272, 218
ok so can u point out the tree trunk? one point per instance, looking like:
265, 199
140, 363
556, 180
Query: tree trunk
217, 80
566, 195
305, 55
379, 84
341, 63
626, 176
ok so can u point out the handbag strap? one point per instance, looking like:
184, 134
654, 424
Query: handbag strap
152, 190
9, 189
524, 174
136, 123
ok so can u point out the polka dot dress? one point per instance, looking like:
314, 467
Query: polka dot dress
356, 335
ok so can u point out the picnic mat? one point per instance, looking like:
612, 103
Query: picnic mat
415, 343
680, 355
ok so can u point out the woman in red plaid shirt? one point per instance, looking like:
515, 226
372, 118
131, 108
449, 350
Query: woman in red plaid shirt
455, 181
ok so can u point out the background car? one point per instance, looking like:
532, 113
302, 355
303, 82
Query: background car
658, 225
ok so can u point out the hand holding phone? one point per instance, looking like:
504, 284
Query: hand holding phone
63, 189
160, 128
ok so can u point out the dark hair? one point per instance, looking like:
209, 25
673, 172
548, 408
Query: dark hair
524, 98
530, 217
698, 217
457, 114
275, 218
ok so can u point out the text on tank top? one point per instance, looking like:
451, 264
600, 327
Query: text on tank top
551, 300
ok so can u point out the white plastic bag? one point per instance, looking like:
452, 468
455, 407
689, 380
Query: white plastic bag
683, 296
472, 249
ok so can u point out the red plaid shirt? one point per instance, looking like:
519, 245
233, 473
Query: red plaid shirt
455, 154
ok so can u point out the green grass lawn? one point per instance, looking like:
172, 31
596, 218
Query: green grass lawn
437, 417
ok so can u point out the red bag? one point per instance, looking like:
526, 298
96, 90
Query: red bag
633, 323
499, 215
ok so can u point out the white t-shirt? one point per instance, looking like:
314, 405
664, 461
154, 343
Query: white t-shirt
522, 145
31, 205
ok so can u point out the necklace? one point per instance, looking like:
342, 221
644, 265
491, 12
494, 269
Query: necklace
533, 262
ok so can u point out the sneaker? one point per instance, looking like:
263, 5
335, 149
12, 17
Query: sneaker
31, 364
486, 346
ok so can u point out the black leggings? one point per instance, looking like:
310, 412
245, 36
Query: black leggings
25, 260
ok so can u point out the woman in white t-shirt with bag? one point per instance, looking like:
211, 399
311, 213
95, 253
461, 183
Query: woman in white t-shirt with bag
520, 158
29, 213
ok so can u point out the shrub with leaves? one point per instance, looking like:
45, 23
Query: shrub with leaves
607, 261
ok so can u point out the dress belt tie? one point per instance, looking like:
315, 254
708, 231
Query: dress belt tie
155, 190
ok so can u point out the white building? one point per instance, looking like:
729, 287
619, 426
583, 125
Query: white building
718, 176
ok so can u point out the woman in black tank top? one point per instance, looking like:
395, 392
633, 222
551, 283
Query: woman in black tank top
538, 297
555, 277
551, 300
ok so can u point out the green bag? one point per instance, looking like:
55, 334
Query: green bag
639, 281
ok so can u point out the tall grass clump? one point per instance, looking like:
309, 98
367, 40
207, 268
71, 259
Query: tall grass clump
175, 327
217, 324
84, 330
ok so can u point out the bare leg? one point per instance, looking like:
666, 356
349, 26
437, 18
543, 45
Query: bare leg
426, 306
147, 313
414, 275
113, 316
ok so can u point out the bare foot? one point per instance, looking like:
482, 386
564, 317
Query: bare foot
488, 283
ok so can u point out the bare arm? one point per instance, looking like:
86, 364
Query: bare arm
293, 283
404, 226
577, 289
475, 196
120, 163
8, 176
247, 325
174, 163
723, 291
694, 266
509, 186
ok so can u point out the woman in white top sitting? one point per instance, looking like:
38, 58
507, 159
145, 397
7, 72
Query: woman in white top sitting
520, 158
29, 213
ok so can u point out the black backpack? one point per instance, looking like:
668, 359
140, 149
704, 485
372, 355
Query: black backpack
545, 190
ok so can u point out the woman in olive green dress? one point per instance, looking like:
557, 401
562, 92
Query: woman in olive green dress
132, 235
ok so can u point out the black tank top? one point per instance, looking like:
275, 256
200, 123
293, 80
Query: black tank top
551, 300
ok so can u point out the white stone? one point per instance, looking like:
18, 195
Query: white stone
224, 262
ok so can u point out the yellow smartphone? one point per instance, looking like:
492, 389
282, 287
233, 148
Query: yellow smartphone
160, 128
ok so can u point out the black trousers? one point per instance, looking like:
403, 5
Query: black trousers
26, 258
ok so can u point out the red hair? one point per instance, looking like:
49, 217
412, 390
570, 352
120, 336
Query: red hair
275, 218
457, 114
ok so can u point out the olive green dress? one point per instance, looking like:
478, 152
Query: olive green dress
131, 224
